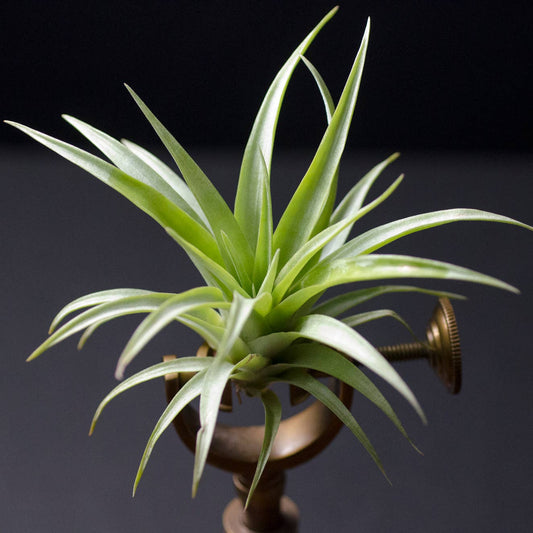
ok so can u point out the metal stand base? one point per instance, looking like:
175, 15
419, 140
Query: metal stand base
234, 515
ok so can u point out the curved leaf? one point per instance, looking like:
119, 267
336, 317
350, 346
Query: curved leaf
352, 202
322, 87
213, 205
143, 196
127, 161
313, 192
362, 318
215, 381
324, 359
342, 303
339, 336
298, 261
380, 236
177, 183
369, 267
216, 273
166, 313
184, 364
330, 400
102, 313
183, 397
96, 298
272, 407
249, 199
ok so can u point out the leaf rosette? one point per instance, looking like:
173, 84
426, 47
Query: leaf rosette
263, 309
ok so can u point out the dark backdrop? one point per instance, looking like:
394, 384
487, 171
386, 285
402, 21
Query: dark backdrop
439, 75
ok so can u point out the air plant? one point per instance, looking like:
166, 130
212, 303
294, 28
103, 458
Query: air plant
262, 309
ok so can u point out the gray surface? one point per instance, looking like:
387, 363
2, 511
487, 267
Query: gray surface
64, 235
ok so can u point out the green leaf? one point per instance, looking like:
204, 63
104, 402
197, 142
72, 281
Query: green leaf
212, 333
344, 302
298, 261
380, 236
324, 359
362, 318
369, 267
184, 364
232, 260
352, 202
216, 274
213, 205
161, 317
128, 162
249, 199
323, 220
88, 333
272, 344
313, 192
263, 250
143, 196
96, 298
268, 281
272, 407
215, 381
100, 314
339, 336
281, 315
322, 87
177, 183
322, 393
183, 397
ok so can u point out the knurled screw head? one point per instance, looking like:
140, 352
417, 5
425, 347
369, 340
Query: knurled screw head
443, 349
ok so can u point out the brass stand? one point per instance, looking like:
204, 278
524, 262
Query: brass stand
236, 449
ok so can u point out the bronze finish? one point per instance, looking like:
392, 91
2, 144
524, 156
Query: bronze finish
236, 449
443, 350
300, 437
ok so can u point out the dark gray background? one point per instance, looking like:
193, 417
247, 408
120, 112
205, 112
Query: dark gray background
64, 235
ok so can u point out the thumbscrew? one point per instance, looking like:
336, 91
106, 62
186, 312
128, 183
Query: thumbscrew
443, 350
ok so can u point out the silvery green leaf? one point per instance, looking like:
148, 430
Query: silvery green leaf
213, 205
215, 381
272, 407
324, 359
258, 151
183, 397
217, 274
380, 236
102, 313
312, 194
177, 183
301, 257
128, 162
184, 364
369, 267
162, 316
352, 202
322, 87
96, 298
344, 302
152, 202
263, 250
340, 337
322, 393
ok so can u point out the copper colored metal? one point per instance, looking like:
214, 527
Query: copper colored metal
443, 349
302, 436
236, 449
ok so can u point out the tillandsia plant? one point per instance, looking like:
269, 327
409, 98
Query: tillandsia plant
262, 310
